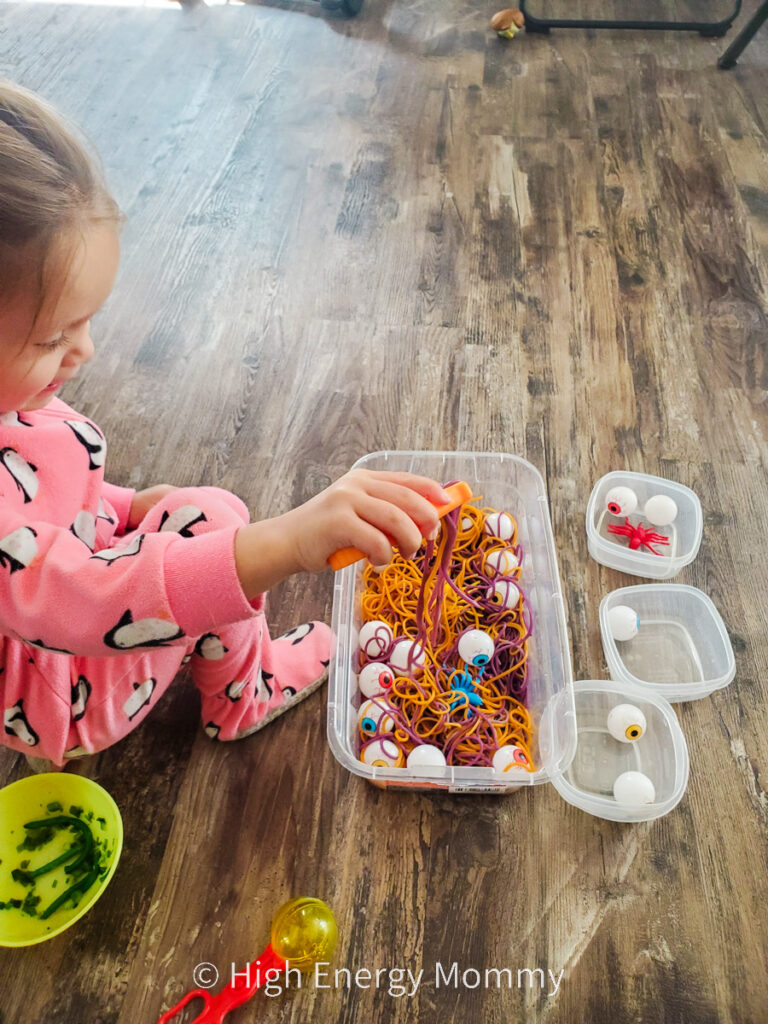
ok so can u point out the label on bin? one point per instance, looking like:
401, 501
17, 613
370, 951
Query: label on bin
480, 789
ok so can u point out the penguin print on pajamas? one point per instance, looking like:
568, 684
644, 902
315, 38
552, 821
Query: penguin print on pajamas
16, 724
84, 528
93, 442
210, 647
23, 472
12, 419
81, 692
101, 513
212, 730
45, 647
18, 549
234, 690
141, 696
110, 555
263, 690
181, 520
297, 634
142, 633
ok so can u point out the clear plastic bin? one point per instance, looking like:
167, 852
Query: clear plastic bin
683, 534
681, 649
507, 483
661, 753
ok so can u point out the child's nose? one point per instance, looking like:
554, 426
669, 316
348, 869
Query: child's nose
82, 349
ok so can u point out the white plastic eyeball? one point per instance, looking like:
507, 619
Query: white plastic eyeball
508, 758
633, 789
505, 593
375, 677
382, 753
401, 651
501, 560
623, 622
476, 647
626, 723
499, 524
374, 638
660, 510
467, 523
426, 756
621, 501
373, 717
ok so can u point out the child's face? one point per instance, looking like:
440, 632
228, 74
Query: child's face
33, 367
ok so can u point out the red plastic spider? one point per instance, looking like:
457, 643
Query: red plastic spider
639, 536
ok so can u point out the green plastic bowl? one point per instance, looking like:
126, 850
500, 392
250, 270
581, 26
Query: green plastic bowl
27, 800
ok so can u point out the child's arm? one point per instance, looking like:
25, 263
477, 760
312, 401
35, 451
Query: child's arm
367, 510
160, 589
156, 589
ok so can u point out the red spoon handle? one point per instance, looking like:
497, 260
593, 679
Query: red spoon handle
243, 985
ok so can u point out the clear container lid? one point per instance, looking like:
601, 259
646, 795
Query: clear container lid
680, 538
659, 755
681, 649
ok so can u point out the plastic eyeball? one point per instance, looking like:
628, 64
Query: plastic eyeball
374, 678
509, 757
660, 510
372, 717
500, 560
374, 638
621, 501
499, 524
633, 789
476, 647
426, 756
382, 753
505, 594
466, 523
626, 723
402, 651
623, 622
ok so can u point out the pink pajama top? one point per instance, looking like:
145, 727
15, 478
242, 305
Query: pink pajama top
67, 583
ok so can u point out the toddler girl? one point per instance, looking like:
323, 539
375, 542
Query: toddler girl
106, 591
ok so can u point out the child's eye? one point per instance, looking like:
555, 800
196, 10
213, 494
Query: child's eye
49, 346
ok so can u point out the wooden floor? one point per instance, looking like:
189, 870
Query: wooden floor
400, 232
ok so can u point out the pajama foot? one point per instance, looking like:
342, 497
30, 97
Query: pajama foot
289, 701
292, 667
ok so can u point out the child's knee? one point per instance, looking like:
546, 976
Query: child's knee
227, 500
194, 510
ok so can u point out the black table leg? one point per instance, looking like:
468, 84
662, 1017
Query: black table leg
734, 51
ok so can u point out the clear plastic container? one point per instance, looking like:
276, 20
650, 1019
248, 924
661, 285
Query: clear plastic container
507, 483
660, 753
683, 534
681, 649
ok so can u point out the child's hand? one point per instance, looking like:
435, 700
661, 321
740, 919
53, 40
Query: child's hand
144, 500
371, 511
368, 510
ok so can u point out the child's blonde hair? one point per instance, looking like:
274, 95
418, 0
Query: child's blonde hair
50, 186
